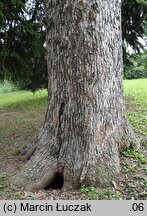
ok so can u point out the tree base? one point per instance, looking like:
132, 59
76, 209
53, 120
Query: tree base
49, 165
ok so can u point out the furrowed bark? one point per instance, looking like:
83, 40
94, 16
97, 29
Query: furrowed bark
85, 125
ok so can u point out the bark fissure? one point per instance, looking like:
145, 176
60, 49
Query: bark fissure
60, 130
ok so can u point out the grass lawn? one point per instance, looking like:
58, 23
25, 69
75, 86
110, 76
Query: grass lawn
136, 91
23, 100
136, 101
22, 113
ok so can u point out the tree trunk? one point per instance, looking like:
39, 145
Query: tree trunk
85, 125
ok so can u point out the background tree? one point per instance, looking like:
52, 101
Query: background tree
85, 126
137, 67
22, 37
134, 26
134, 18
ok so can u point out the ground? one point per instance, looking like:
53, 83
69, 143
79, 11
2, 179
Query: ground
22, 113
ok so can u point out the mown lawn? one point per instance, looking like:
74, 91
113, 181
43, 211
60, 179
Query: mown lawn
136, 101
22, 113
136, 91
23, 100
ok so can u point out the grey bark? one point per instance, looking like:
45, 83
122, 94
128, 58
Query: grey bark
85, 126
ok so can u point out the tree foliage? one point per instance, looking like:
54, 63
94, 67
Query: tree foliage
22, 38
22, 52
137, 67
134, 18
134, 26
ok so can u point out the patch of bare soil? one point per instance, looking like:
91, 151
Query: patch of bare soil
8, 142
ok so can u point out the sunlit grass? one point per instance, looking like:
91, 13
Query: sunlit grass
136, 90
22, 100
136, 96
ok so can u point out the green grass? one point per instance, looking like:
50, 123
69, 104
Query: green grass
135, 154
3, 176
136, 91
99, 194
136, 96
6, 87
14, 99
22, 100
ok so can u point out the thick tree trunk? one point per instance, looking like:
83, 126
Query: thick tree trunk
85, 125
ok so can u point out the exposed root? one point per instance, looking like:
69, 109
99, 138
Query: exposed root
38, 172
28, 150
131, 137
